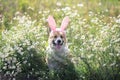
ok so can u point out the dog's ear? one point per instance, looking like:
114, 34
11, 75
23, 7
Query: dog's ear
51, 23
64, 23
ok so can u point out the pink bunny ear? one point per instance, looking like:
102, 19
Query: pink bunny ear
51, 22
64, 23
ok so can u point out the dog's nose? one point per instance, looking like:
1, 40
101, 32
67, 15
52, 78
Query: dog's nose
58, 41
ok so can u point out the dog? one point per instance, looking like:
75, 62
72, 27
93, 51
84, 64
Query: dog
57, 50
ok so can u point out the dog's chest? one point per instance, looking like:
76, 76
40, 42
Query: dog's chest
57, 54
56, 58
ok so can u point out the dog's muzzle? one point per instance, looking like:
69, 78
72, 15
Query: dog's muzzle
58, 43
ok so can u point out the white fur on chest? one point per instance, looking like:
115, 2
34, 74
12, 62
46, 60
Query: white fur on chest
54, 58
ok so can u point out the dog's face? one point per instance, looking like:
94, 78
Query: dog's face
57, 36
57, 40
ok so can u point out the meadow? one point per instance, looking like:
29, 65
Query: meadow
93, 37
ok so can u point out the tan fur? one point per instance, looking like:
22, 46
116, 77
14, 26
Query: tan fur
57, 50
57, 33
55, 59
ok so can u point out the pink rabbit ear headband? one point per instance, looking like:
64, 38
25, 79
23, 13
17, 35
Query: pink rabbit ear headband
52, 24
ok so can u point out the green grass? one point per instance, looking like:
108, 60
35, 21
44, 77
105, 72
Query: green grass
93, 37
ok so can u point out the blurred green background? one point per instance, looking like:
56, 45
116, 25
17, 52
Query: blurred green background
93, 37
8, 8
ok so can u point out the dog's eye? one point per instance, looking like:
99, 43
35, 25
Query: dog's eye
61, 36
55, 36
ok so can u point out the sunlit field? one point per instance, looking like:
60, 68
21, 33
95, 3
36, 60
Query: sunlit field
93, 37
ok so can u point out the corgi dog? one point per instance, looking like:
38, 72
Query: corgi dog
57, 50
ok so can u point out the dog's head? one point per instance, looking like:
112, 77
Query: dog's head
57, 36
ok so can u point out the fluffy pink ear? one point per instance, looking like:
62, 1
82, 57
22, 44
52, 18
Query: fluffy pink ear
64, 23
51, 22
